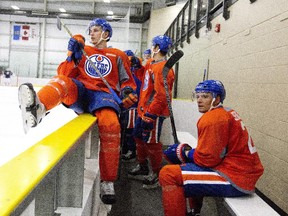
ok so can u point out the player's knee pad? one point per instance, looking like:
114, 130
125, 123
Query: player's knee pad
65, 87
108, 120
170, 175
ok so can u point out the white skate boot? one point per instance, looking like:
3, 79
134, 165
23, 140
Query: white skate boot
32, 109
107, 193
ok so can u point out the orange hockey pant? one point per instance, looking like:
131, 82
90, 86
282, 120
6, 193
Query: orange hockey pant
151, 151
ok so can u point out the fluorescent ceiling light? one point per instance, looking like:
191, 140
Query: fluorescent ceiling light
106, 1
110, 12
62, 10
15, 7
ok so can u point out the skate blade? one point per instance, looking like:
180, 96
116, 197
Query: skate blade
149, 187
137, 177
28, 121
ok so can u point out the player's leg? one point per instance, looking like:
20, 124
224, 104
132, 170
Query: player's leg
109, 132
155, 158
155, 154
129, 144
34, 106
173, 197
200, 182
141, 169
129, 154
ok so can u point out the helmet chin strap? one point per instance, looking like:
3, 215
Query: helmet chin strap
153, 53
102, 39
213, 107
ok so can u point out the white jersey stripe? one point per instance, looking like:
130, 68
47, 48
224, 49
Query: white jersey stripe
199, 173
205, 182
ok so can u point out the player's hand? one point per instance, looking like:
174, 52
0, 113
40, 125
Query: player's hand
75, 46
130, 100
129, 97
178, 153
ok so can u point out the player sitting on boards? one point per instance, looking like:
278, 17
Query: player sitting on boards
79, 87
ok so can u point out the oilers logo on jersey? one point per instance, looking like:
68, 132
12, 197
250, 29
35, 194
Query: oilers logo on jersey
146, 81
102, 63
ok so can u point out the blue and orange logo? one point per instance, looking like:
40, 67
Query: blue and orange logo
146, 81
102, 63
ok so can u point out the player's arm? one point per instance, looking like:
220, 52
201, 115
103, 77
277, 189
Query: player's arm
126, 80
212, 144
159, 102
125, 75
68, 69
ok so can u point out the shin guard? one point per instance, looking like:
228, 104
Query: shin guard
59, 89
173, 197
155, 155
109, 132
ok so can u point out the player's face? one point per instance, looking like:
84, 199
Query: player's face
147, 56
95, 34
204, 101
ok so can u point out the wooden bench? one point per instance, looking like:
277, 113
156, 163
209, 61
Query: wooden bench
251, 205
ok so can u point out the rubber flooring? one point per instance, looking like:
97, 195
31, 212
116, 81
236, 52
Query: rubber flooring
134, 200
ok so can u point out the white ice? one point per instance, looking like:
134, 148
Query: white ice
13, 140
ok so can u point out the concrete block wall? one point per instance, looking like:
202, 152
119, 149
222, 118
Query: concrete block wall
250, 56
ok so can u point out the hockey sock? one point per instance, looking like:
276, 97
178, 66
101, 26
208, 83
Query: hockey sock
142, 152
155, 156
109, 132
173, 197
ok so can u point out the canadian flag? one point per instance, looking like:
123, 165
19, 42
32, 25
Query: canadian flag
25, 32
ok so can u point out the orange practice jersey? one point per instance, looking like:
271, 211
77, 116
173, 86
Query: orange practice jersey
112, 63
225, 145
152, 94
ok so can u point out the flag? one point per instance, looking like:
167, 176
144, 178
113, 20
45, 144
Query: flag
21, 32
16, 32
25, 32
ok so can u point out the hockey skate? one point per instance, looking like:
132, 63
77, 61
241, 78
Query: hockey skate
130, 156
151, 181
107, 193
32, 109
193, 212
139, 172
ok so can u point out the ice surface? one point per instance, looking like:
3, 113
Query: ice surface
13, 140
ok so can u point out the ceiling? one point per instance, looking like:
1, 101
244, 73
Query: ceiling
80, 9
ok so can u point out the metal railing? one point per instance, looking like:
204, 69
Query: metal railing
194, 15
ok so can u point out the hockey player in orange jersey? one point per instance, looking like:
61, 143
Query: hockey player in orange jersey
146, 56
128, 116
225, 162
79, 87
152, 110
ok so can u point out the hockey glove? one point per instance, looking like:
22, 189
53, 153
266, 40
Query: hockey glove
75, 46
148, 121
129, 97
177, 153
